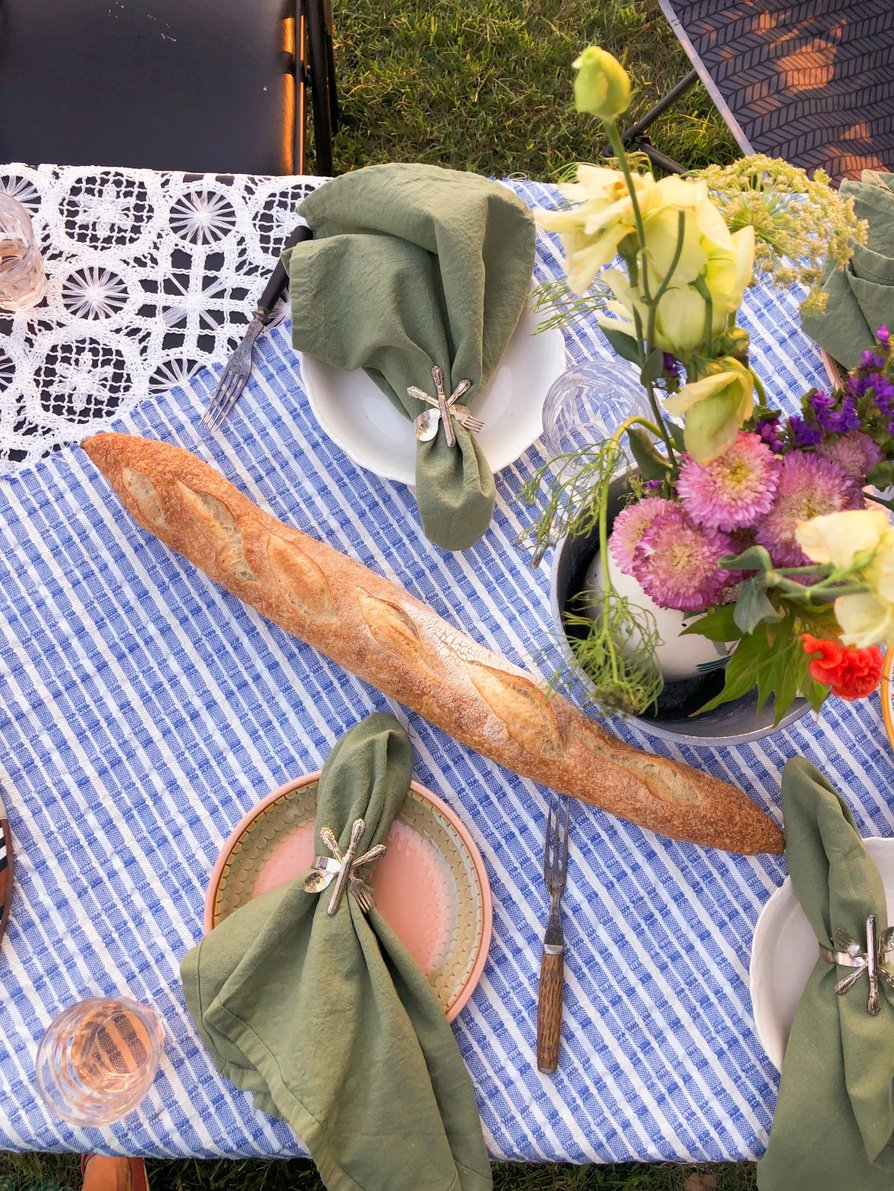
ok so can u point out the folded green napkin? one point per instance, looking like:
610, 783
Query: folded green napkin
834, 1120
413, 266
328, 1021
861, 296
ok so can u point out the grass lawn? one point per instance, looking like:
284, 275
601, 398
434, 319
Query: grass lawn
484, 86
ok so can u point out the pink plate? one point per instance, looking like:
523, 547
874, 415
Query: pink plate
431, 885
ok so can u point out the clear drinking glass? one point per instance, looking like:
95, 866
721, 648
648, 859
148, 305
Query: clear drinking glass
98, 1059
589, 402
22, 279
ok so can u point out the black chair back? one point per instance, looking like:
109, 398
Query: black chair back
204, 86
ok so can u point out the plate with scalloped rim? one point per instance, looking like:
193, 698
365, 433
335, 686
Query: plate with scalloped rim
431, 885
358, 417
784, 952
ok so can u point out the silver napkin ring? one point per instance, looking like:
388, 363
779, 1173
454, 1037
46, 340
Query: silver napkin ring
445, 411
847, 953
342, 868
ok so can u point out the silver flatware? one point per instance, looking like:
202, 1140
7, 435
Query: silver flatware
344, 869
235, 376
552, 962
444, 411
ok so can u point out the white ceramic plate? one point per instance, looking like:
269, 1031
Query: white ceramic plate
358, 416
784, 953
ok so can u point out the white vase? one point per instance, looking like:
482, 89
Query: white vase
676, 657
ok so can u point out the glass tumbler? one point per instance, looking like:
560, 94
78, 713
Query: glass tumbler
22, 279
586, 404
98, 1059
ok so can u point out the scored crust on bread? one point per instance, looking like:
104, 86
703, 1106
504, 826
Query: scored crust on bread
378, 631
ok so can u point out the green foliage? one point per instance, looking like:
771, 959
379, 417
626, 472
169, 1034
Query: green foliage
755, 558
771, 659
651, 463
488, 86
626, 346
562, 308
753, 605
717, 624
617, 654
577, 489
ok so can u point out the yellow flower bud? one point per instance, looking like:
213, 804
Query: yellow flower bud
602, 85
714, 409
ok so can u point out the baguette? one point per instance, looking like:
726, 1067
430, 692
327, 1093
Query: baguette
384, 635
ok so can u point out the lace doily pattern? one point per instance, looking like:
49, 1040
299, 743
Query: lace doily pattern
150, 277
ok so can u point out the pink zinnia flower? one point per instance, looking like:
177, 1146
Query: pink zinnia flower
676, 562
630, 525
809, 486
855, 453
734, 490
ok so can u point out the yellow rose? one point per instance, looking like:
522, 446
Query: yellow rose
865, 620
691, 258
602, 85
839, 538
679, 315
592, 230
714, 408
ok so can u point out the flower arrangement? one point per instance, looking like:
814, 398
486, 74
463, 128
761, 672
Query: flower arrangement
759, 528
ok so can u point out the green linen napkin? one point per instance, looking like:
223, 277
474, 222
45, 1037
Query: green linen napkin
834, 1120
328, 1021
861, 296
413, 266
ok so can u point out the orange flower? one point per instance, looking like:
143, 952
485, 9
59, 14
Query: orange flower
851, 673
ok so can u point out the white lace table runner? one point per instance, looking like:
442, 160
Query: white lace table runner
150, 277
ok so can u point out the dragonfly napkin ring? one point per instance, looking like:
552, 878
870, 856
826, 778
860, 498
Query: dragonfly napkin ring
847, 953
445, 411
342, 868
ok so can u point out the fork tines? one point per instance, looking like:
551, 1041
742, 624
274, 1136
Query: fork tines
555, 852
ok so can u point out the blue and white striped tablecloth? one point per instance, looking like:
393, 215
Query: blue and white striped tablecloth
143, 710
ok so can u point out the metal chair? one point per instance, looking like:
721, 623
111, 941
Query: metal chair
810, 81
204, 86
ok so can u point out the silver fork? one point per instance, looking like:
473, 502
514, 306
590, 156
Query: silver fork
235, 376
552, 962
466, 419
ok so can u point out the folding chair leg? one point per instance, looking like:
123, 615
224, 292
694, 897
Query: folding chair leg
637, 136
315, 73
635, 131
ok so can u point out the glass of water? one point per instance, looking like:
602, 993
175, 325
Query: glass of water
98, 1059
589, 402
23, 282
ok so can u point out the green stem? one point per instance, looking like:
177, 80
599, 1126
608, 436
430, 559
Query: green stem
614, 139
709, 323
678, 252
603, 548
758, 384
636, 420
820, 591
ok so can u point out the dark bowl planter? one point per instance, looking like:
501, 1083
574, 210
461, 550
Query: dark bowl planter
731, 723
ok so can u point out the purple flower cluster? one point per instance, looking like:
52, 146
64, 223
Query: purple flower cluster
769, 429
832, 418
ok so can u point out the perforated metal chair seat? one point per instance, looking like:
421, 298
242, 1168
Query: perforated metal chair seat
811, 82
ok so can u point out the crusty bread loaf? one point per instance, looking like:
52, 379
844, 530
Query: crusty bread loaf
381, 633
